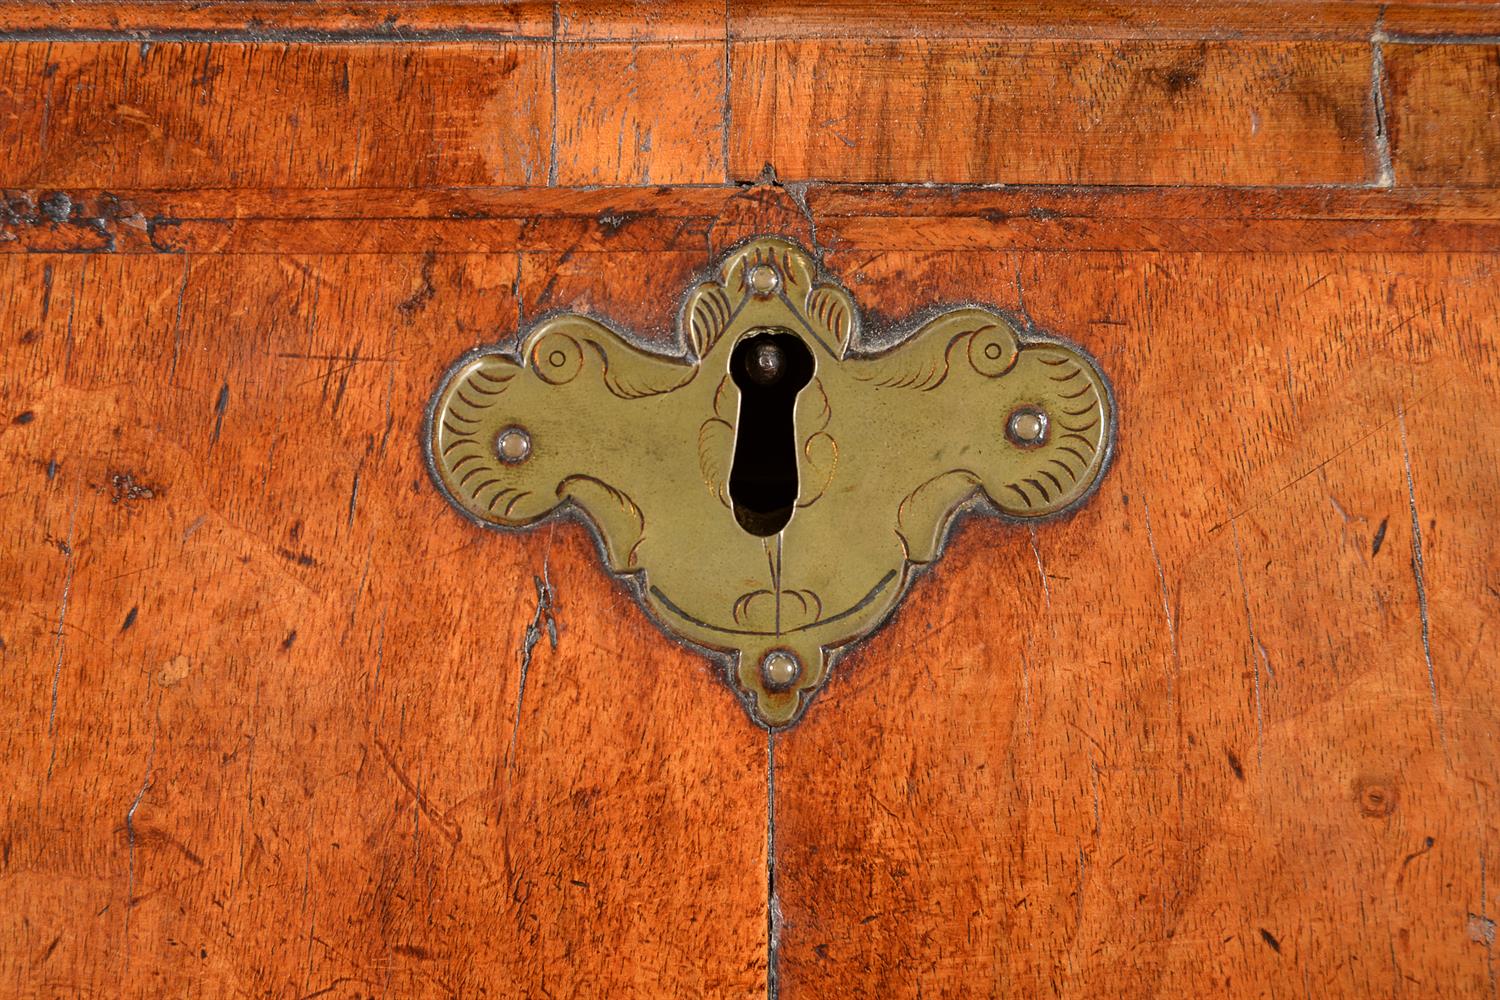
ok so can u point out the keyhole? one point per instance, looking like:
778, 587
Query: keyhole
770, 368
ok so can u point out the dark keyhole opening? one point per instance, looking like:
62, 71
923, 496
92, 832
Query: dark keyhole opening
770, 368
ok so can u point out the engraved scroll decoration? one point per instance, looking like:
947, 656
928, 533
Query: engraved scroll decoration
965, 412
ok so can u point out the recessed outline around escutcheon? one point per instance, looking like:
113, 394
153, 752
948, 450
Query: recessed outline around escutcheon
967, 411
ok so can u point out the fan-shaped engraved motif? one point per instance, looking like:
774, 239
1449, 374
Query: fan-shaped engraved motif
707, 314
715, 451
470, 413
1047, 478
830, 311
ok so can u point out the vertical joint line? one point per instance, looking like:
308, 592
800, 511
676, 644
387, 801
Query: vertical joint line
1385, 174
556, 31
728, 117
773, 904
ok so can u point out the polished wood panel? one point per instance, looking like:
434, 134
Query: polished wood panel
184, 115
629, 113
169, 113
1230, 20
1444, 105
1226, 731
275, 721
1044, 112
273, 20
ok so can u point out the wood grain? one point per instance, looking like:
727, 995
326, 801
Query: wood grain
1228, 731
587, 112
1073, 749
280, 724
186, 115
640, 20
278, 20
640, 114
1230, 20
263, 707
1444, 104
1053, 112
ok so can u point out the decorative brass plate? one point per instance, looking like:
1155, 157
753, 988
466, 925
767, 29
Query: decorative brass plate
769, 493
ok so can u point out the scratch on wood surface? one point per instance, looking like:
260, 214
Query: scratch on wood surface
542, 619
1257, 651
62, 614
359, 591
1417, 571
1041, 571
1339, 509
192, 529
354, 490
1166, 603
72, 310
1030, 326
1427, 845
841, 137
515, 292
418, 300
265, 477
130, 835
1359, 439
1314, 284
379, 654
1291, 384
47, 275
390, 416
333, 985
177, 323
220, 405
424, 806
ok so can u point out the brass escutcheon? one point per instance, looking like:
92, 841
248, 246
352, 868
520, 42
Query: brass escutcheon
769, 492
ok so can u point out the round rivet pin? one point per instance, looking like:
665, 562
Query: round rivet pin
513, 445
